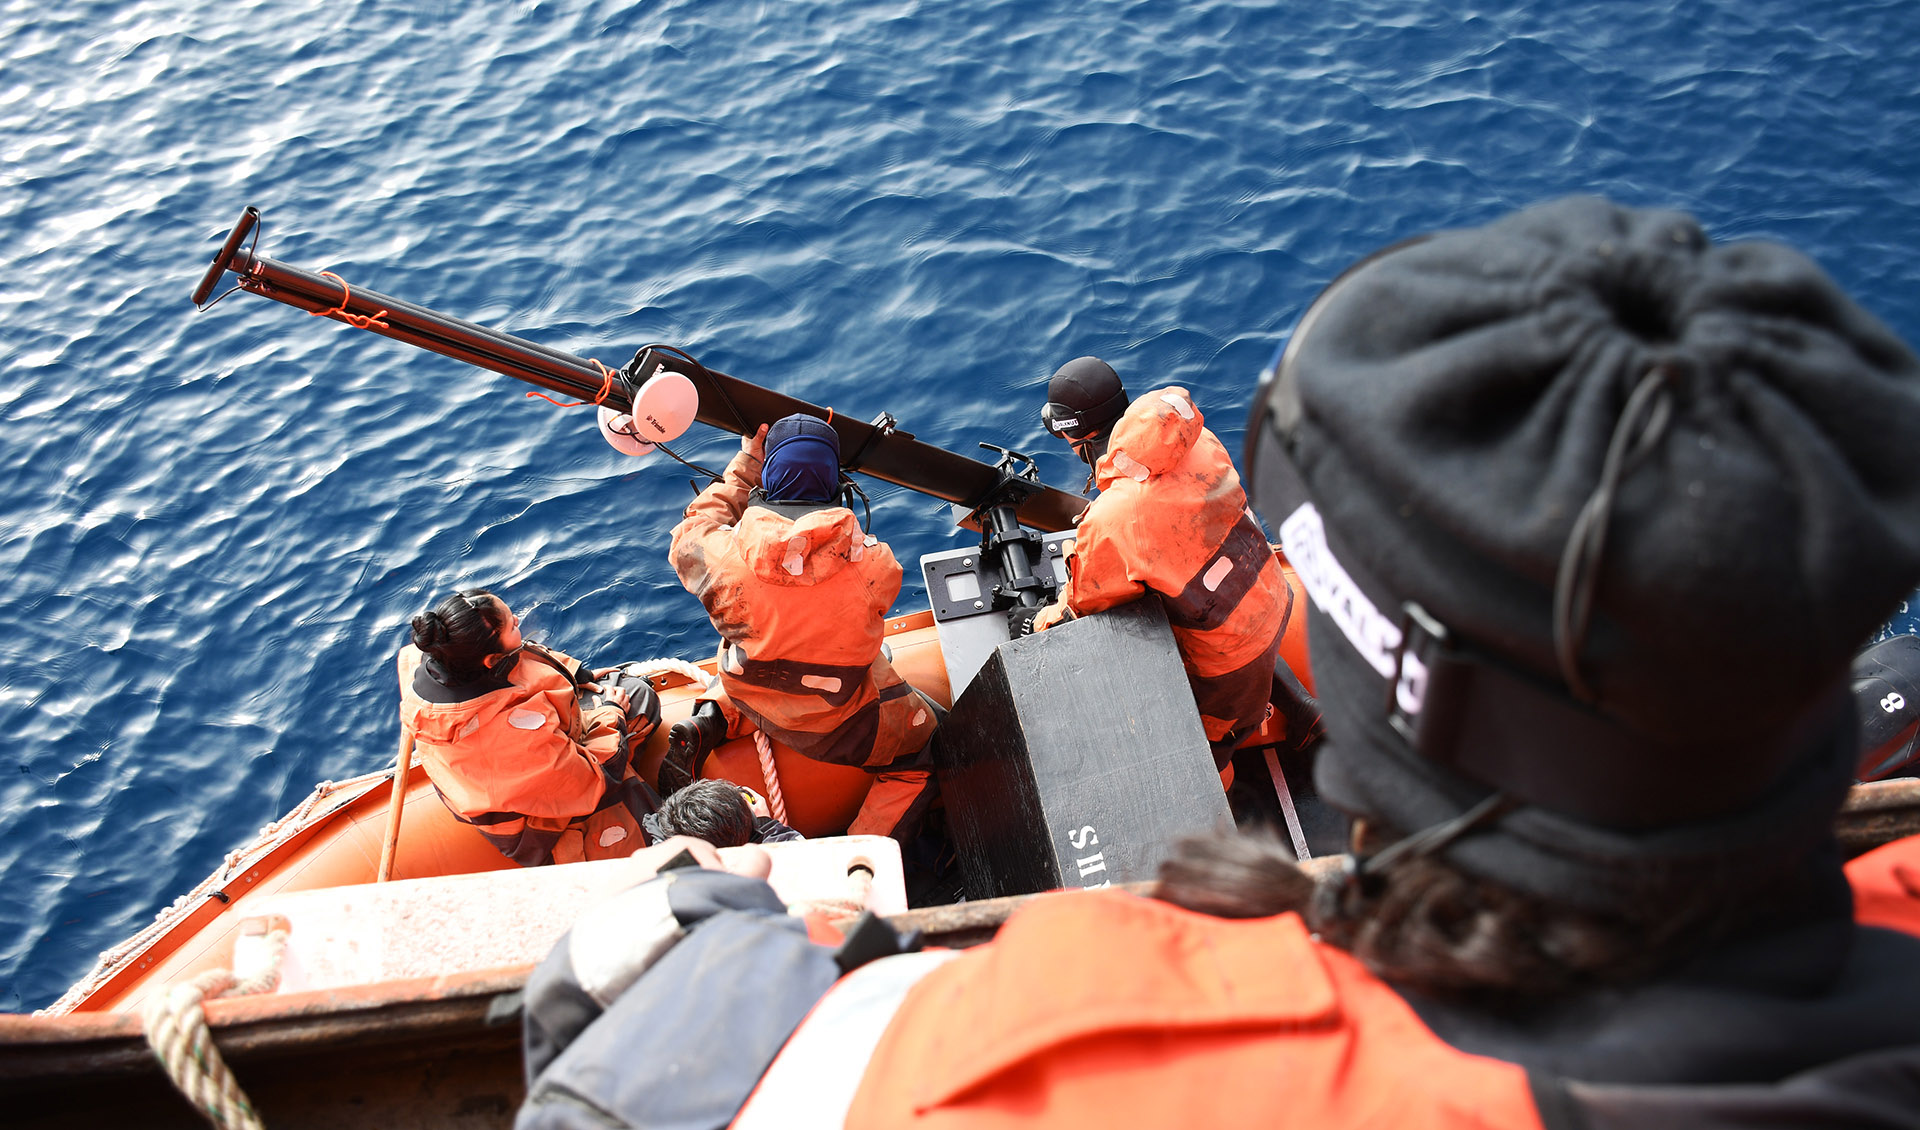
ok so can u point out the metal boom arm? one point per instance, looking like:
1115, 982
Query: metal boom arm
728, 403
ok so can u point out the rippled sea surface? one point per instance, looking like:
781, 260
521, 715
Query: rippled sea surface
215, 525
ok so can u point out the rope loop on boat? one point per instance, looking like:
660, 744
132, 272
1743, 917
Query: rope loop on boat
176, 1029
693, 671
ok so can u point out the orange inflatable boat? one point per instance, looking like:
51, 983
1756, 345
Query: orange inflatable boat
334, 838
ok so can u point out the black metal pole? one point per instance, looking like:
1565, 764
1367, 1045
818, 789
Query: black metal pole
726, 402
429, 329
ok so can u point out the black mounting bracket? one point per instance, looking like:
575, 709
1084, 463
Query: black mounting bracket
883, 425
1002, 535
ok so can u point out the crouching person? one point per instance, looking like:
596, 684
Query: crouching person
1547, 483
522, 741
799, 594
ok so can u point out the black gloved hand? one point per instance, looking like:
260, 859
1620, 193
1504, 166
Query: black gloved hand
683, 753
1020, 620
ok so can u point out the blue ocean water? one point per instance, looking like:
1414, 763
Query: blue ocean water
215, 525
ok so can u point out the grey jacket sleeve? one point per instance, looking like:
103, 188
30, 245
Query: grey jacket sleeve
663, 1007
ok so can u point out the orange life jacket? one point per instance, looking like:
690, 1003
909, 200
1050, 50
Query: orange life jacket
800, 605
524, 764
1172, 519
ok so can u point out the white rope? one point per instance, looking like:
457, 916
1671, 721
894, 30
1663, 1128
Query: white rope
776, 803
654, 667
176, 1029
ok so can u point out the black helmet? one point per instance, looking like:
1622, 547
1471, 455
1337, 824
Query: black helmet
1084, 398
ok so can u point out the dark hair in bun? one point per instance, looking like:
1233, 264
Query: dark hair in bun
458, 634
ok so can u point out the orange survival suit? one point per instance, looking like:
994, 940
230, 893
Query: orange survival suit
1171, 519
799, 594
1101, 1008
1106, 1009
544, 781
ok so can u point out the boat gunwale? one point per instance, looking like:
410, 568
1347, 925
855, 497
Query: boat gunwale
42, 1053
118, 967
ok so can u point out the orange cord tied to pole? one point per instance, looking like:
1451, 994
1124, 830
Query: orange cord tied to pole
599, 398
358, 321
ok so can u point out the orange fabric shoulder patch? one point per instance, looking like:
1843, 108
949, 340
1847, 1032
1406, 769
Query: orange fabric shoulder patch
1153, 435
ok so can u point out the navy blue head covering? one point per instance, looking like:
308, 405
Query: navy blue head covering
802, 461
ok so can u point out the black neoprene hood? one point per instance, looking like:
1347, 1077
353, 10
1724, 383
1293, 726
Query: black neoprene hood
1084, 398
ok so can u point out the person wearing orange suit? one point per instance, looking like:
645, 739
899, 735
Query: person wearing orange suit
523, 741
1546, 482
1170, 520
799, 594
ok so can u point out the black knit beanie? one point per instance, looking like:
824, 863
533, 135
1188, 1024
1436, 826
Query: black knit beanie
1594, 514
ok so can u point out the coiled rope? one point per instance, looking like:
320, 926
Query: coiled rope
176, 1029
